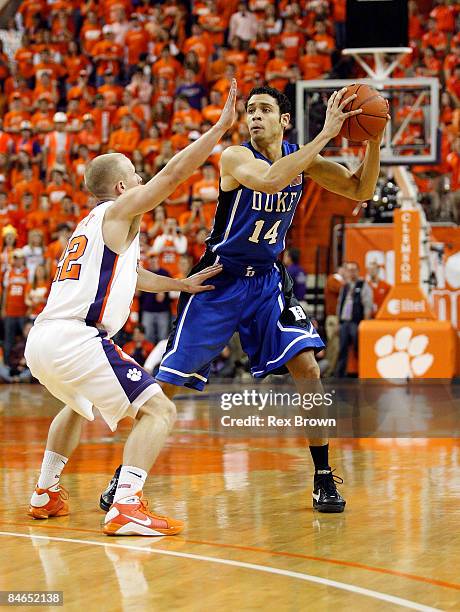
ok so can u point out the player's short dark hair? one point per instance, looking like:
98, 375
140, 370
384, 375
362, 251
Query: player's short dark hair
294, 254
282, 100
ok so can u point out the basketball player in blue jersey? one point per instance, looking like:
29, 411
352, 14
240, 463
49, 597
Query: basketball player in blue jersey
260, 187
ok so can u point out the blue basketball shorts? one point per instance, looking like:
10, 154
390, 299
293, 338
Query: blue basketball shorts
272, 325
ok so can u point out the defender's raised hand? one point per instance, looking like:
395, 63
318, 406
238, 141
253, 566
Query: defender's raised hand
334, 113
228, 115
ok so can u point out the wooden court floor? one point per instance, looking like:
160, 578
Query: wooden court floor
252, 540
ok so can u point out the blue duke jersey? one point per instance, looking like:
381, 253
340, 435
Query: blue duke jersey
252, 296
250, 227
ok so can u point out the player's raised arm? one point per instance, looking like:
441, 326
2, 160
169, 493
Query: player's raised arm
240, 164
143, 198
358, 185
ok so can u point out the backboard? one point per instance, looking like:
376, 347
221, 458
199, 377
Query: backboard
411, 136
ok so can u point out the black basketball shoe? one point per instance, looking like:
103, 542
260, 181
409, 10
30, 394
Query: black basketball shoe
326, 498
106, 499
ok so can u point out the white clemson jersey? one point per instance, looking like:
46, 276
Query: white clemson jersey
92, 283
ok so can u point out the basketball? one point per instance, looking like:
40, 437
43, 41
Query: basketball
373, 118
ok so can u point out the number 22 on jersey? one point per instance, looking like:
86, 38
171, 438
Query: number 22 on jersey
68, 266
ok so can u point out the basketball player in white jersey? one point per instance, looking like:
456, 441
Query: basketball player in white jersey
69, 348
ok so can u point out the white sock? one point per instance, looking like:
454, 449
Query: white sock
130, 482
52, 466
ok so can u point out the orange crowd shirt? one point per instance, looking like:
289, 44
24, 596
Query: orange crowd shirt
124, 141
380, 290
15, 288
277, 65
137, 42
38, 296
313, 66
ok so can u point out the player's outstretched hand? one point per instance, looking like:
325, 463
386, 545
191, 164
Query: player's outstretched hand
194, 283
229, 113
334, 113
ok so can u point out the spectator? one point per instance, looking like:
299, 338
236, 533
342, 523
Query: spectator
453, 85
243, 25
34, 252
324, 43
169, 246
184, 114
198, 247
291, 260
29, 184
26, 142
167, 66
339, 18
126, 139
138, 348
136, 41
16, 115
37, 292
155, 307
214, 24
57, 188
192, 220
150, 146
313, 65
380, 288
88, 136
42, 119
13, 304
107, 54
18, 370
207, 190
192, 91
277, 70
56, 248
111, 91
156, 225
9, 239
334, 283
453, 160
354, 305
59, 141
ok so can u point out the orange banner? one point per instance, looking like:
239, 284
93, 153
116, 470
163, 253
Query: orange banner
406, 241
375, 243
403, 342
407, 349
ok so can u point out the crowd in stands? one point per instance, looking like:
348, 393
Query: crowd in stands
145, 78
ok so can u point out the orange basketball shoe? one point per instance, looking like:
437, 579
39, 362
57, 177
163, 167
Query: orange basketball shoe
131, 516
48, 502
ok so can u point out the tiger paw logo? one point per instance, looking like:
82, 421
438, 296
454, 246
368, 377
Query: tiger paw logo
403, 356
134, 374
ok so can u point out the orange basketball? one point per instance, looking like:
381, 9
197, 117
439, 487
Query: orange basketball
373, 118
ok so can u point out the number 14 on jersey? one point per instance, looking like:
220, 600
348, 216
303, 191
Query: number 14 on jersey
271, 235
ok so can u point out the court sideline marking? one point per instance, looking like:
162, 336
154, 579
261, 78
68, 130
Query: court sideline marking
405, 603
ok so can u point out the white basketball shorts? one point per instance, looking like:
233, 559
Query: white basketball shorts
82, 368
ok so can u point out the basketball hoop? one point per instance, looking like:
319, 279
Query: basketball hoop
382, 68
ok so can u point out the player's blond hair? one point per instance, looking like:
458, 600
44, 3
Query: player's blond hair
104, 172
